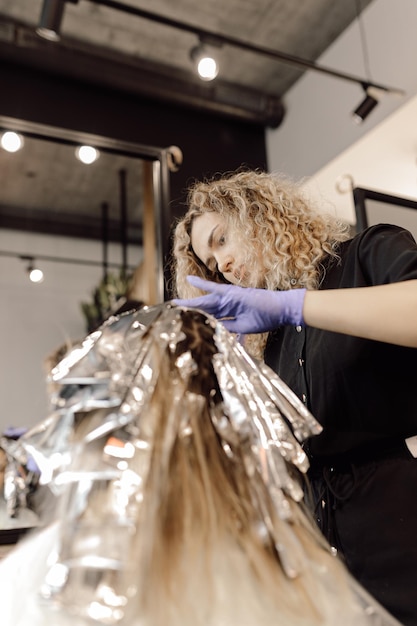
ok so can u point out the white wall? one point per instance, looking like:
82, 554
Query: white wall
318, 125
35, 319
383, 160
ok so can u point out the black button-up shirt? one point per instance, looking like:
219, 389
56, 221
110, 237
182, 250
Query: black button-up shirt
361, 391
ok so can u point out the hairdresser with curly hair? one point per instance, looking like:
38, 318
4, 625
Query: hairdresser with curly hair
336, 317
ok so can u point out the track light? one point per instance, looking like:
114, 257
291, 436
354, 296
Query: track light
11, 141
50, 20
35, 274
366, 106
206, 63
87, 154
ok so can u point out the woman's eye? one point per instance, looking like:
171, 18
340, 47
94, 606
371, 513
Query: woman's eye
222, 240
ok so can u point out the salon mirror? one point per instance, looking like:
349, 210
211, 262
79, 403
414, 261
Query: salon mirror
78, 223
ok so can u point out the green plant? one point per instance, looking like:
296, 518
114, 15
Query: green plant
105, 298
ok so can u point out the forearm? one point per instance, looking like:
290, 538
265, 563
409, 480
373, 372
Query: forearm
384, 313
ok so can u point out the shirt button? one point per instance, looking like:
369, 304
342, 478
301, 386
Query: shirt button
304, 398
301, 362
298, 329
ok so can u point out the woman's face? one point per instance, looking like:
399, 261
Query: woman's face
219, 249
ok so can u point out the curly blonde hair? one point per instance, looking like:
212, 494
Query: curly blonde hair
267, 210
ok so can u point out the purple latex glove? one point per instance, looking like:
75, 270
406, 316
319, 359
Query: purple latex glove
251, 310
14, 432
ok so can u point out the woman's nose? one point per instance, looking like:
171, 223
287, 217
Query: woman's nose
225, 264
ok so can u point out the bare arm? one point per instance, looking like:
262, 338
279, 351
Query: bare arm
384, 313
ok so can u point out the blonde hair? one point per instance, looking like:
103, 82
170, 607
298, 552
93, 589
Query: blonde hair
205, 541
267, 210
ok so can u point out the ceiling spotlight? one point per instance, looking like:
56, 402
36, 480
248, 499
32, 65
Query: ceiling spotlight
11, 141
207, 66
87, 154
50, 20
366, 106
35, 274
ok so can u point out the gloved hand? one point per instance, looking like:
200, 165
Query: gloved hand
251, 310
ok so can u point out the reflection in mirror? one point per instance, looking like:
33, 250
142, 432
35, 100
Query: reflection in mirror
46, 188
91, 230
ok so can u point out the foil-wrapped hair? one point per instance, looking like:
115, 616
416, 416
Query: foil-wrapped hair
178, 468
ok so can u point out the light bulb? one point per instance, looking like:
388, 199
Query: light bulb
87, 154
205, 62
207, 68
11, 141
36, 275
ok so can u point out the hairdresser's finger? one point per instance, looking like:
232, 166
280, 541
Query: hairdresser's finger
209, 303
206, 285
192, 303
